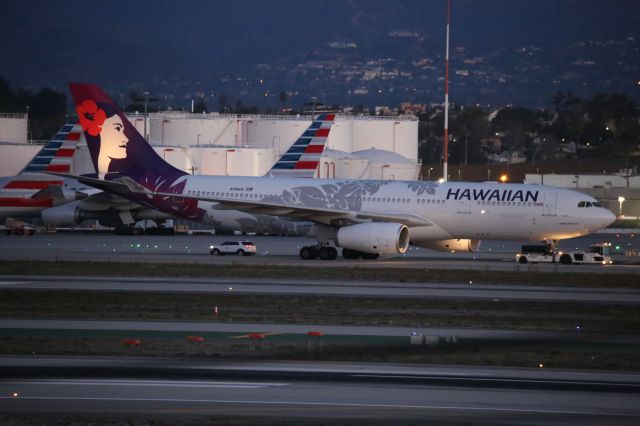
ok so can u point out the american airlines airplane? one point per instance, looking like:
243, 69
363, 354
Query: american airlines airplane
30, 192
367, 218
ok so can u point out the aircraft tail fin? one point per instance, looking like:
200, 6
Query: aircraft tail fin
57, 154
302, 158
116, 147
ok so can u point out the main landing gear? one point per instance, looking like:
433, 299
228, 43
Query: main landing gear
354, 254
324, 252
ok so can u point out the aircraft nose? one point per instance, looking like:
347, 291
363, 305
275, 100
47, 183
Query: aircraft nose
609, 217
605, 218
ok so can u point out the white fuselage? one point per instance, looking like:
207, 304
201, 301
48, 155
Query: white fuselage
451, 210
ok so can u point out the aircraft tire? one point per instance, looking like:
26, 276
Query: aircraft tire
370, 256
328, 253
350, 254
309, 253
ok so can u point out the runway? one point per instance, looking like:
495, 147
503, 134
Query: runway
325, 288
319, 390
494, 255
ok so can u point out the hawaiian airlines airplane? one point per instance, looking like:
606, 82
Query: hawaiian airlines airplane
366, 218
112, 210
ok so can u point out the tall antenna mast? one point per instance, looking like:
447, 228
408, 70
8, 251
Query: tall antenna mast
445, 149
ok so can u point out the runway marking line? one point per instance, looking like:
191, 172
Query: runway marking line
497, 379
330, 404
140, 383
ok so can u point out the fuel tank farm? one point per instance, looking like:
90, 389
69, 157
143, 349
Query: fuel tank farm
248, 145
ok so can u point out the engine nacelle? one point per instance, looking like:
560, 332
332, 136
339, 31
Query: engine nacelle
462, 245
374, 237
64, 215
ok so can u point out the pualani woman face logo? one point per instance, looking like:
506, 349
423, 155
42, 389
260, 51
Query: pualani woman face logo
107, 129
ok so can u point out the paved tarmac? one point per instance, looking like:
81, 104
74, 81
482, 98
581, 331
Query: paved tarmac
494, 255
320, 390
467, 290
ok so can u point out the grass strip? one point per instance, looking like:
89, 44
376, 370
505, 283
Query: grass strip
524, 276
320, 310
395, 350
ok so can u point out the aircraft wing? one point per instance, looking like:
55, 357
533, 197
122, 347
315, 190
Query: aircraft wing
121, 186
327, 216
127, 187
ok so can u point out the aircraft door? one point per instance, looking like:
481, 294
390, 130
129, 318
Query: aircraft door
550, 202
464, 207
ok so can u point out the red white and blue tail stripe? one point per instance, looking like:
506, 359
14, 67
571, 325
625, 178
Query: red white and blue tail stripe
57, 154
302, 158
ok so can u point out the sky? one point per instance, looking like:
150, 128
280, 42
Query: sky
180, 48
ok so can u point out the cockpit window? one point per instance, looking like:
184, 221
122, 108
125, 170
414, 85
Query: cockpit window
589, 204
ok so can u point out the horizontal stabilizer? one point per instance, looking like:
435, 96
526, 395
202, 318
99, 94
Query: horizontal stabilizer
51, 191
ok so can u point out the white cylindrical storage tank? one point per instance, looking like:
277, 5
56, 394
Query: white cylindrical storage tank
214, 161
278, 135
406, 139
341, 136
14, 157
231, 161
176, 156
376, 134
193, 129
13, 128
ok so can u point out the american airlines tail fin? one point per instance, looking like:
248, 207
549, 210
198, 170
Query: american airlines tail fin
116, 147
302, 158
57, 154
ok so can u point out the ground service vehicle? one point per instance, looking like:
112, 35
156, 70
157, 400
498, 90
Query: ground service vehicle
536, 254
597, 253
17, 227
240, 248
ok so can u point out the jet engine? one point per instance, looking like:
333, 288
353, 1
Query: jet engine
64, 215
462, 245
374, 237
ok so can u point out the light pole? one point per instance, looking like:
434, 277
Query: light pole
28, 123
146, 99
620, 201
466, 136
